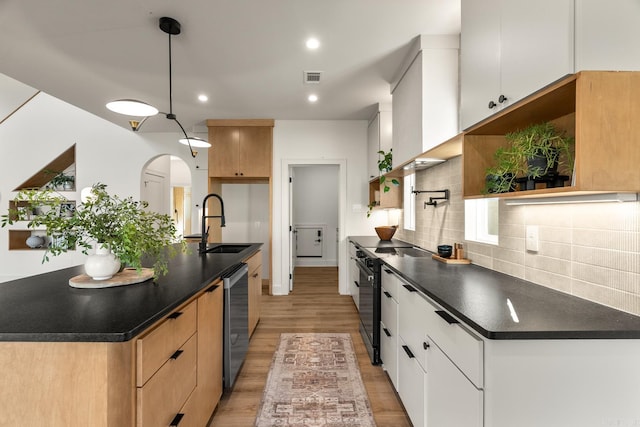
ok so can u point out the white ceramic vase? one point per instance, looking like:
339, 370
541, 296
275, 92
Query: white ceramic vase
103, 264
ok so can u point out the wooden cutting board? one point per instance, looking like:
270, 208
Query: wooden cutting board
451, 260
128, 276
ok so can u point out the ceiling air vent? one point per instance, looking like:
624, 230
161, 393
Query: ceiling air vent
312, 77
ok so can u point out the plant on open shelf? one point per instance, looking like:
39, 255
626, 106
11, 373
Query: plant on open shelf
122, 224
537, 151
60, 180
385, 164
541, 149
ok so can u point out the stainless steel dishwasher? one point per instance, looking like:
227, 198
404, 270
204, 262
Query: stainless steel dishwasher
236, 321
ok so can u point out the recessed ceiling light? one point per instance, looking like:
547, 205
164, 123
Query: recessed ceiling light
203, 98
313, 43
312, 98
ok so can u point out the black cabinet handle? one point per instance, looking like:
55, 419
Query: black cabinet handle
408, 351
447, 317
211, 289
425, 345
502, 99
410, 288
177, 354
387, 294
356, 282
174, 315
386, 270
176, 420
386, 332
492, 105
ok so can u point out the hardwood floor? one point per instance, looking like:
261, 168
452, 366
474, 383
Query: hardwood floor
313, 306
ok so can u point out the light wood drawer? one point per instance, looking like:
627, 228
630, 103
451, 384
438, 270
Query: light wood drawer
188, 415
461, 346
254, 262
156, 347
162, 397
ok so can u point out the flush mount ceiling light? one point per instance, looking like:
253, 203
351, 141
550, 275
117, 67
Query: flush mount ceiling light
133, 107
312, 98
312, 43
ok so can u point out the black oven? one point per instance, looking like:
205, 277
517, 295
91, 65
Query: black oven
369, 306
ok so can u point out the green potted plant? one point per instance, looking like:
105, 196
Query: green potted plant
384, 165
60, 181
542, 149
500, 178
102, 221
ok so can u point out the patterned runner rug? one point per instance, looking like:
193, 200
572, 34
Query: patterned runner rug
314, 381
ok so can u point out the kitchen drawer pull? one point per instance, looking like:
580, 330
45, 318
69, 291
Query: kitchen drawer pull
174, 315
425, 345
211, 289
357, 284
255, 275
386, 270
408, 351
177, 354
447, 317
410, 288
176, 420
387, 294
386, 332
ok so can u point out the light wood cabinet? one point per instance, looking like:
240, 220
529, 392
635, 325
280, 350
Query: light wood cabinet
597, 107
510, 48
209, 390
255, 289
240, 149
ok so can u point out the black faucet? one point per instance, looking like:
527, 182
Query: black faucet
202, 247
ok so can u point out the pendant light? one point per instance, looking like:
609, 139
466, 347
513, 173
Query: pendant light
134, 107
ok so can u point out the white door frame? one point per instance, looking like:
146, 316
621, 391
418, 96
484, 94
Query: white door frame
287, 165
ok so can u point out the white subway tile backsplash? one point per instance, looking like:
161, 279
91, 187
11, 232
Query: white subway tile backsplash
589, 250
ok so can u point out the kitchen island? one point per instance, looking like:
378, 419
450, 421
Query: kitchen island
470, 347
115, 356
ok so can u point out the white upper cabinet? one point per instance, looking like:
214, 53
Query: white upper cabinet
379, 139
607, 35
509, 49
425, 97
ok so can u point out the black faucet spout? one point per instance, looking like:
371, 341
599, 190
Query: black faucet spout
202, 247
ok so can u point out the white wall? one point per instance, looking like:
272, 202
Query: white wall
246, 210
319, 142
315, 203
43, 129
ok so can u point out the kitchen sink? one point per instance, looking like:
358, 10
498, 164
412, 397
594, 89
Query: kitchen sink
226, 249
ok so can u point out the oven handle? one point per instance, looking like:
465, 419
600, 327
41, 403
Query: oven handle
365, 270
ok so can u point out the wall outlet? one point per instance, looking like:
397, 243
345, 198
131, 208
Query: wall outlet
531, 238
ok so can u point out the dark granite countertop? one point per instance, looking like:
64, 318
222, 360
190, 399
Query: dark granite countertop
375, 242
481, 298
45, 308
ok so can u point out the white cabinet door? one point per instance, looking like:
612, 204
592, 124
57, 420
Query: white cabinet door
479, 59
389, 352
354, 276
451, 399
411, 382
512, 48
413, 312
373, 146
607, 35
536, 45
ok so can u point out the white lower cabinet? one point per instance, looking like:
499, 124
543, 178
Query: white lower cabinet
451, 399
389, 352
411, 384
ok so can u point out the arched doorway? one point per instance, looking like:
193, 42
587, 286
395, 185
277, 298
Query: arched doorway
166, 185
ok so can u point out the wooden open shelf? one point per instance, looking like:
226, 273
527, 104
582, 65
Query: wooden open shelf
598, 108
41, 178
